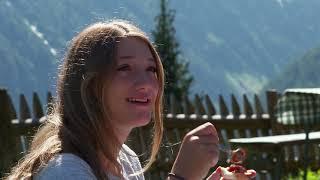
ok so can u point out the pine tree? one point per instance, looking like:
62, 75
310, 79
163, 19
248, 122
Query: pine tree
178, 78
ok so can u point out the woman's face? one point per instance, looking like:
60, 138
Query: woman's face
134, 86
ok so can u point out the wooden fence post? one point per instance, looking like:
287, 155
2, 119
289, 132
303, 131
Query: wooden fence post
223, 107
25, 114
210, 107
235, 107
247, 107
272, 98
37, 107
24, 117
258, 106
9, 146
188, 107
199, 106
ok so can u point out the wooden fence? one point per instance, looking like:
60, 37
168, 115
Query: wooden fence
240, 121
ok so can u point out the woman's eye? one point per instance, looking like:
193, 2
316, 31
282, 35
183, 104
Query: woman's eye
152, 69
123, 68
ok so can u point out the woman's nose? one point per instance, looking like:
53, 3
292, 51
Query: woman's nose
144, 81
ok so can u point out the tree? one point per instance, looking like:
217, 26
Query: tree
178, 79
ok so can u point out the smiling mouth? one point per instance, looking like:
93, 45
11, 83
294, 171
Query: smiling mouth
142, 101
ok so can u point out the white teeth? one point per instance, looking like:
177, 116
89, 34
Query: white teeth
137, 100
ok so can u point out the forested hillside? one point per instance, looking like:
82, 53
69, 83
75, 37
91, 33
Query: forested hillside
304, 72
233, 46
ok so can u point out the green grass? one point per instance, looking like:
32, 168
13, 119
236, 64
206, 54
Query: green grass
311, 175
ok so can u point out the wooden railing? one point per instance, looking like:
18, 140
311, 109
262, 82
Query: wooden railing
239, 121
248, 121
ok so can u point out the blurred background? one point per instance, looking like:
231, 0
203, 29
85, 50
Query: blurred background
239, 47
211, 50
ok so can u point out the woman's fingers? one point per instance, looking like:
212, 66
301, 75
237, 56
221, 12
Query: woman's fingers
228, 173
204, 129
209, 147
205, 139
208, 144
211, 153
198, 152
251, 173
216, 175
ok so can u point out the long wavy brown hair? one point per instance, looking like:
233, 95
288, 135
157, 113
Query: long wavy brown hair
79, 121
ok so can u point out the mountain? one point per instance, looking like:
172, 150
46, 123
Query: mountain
232, 46
302, 73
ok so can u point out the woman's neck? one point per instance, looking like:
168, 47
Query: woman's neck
109, 166
122, 135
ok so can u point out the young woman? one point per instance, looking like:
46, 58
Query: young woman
111, 81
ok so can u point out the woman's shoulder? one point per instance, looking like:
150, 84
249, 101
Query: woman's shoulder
130, 163
128, 154
128, 150
66, 166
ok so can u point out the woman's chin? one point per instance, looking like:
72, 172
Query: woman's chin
141, 120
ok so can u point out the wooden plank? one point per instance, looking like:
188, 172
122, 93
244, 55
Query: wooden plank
247, 107
220, 124
200, 110
272, 98
37, 107
235, 107
24, 109
176, 128
254, 132
173, 104
11, 111
265, 131
258, 106
242, 133
230, 134
211, 110
223, 107
188, 108
25, 128
10, 148
290, 139
222, 133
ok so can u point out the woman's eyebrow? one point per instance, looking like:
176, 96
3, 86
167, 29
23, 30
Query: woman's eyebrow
126, 57
132, 57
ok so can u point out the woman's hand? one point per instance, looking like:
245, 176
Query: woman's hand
229, 173
198, 153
